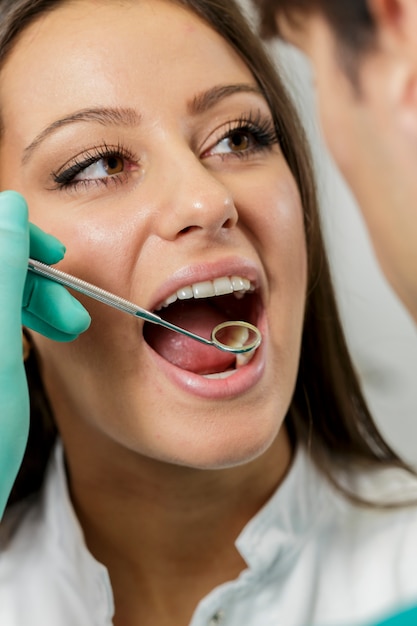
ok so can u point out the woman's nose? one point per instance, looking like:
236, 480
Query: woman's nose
194, 200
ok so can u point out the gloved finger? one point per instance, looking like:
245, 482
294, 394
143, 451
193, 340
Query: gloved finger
50, 309
14, 399
45, 247
34, 323
14, 248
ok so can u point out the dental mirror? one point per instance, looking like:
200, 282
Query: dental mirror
236, 337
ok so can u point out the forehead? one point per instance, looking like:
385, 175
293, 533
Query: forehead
93, 52
298, 29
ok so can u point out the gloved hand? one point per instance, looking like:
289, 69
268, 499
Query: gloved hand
35, 302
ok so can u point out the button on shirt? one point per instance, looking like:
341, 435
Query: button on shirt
313, 559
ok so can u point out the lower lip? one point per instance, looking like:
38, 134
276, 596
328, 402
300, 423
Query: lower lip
243, 380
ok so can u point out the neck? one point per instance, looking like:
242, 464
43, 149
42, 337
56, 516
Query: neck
167, 533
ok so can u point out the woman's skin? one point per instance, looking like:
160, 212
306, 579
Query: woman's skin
186, 200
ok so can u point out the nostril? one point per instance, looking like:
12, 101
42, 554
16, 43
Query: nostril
185, 230
229, 223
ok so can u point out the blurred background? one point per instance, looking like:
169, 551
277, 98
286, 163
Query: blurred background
380, 333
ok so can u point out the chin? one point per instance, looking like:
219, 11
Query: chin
222, 448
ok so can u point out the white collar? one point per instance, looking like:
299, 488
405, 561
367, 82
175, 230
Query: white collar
285, 522
289, 517
65, 532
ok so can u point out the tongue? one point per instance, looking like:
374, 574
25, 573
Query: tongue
187, 353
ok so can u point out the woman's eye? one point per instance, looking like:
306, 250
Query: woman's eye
237, 141
107, 166
103, 165
245, 137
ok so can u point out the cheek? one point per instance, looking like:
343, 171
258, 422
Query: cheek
102, 242
109, 351
330, 118
278, 223
275, 216
338, 110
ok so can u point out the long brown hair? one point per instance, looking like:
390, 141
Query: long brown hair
328, 412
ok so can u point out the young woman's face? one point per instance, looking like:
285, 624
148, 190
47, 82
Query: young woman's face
140, 139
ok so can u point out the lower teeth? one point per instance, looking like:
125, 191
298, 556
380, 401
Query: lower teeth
241, 360
220, 374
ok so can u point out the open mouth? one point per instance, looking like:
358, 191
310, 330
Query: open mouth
199, 307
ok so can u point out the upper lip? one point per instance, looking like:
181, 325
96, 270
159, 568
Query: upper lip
195, 274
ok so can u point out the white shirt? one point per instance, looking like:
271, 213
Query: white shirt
313, 559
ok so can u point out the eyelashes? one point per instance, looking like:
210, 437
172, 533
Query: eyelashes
247, 135
113, 157
108, 165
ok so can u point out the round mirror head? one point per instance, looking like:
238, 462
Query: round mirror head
236, 337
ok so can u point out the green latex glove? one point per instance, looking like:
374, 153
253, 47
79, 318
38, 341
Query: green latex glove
37, 303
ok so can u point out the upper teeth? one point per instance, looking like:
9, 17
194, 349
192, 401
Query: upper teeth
209, 288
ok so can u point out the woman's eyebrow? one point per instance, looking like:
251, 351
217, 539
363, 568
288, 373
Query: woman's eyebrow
207, 99
103, 115
129, 117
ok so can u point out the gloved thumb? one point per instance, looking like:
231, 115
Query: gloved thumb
14, 399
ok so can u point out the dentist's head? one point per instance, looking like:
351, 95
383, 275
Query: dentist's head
364, 58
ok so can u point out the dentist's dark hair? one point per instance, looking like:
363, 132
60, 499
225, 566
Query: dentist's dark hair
350, 20
328, 413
